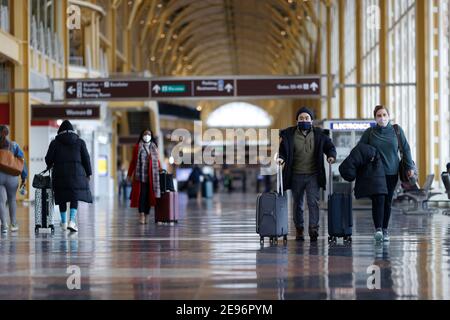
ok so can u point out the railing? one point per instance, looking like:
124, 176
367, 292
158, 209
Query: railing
76, 61
46, 42
4, 18
5, 72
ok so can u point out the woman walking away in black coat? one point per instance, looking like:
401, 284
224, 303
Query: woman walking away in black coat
69, 158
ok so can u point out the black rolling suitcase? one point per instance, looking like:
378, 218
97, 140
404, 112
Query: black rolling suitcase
340, 216
44, 203
272, 213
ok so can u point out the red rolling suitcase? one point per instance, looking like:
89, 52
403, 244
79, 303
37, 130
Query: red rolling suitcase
167, 208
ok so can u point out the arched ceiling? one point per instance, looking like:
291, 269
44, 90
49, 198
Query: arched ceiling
224, 37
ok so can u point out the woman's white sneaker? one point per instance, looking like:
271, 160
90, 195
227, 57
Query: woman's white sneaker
386, 237
14, 227
72, 226
378, 236
64, 226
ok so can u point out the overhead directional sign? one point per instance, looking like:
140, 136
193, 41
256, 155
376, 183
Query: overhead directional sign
106, 89
171, 88
192, 88
214, 88
56, 112
278, 87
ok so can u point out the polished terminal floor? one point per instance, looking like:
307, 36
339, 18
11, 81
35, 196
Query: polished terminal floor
214, 253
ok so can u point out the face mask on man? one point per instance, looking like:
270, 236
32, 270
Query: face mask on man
147, 138
304, 125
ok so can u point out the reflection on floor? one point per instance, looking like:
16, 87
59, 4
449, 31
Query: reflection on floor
214, 253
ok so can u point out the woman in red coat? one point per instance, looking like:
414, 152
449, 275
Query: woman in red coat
144, 171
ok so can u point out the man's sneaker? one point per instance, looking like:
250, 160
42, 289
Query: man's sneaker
300, 235
378, 235
4, 229
72, 226
386, 237
64, 226
14, 227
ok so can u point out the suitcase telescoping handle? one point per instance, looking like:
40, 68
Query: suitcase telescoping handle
280, 185
330, 178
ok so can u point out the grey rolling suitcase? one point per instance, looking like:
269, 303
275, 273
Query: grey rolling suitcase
43, 210
44, 203
272, 213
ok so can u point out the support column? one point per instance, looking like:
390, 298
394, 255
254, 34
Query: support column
341, 58
436, 156
20, 102
63, 32
329, 75
423, 88
114, 141
111, 52
359, 56
127, 40
384, 52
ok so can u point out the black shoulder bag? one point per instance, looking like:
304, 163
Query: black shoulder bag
403, 167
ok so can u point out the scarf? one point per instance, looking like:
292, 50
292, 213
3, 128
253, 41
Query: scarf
148, 154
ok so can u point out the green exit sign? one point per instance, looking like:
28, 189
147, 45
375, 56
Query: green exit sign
173, 88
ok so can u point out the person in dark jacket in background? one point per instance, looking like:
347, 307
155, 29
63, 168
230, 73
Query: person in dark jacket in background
302, 150
364, 164
194, 182
69, 158
384, 139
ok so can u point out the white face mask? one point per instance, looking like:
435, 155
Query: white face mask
383, 122
382, 118
147, 138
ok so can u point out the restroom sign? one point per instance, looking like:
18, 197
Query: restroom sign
63, 112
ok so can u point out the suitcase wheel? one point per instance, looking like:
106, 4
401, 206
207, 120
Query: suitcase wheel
348, 239
285, 239
332, 239
261, 240
52, 228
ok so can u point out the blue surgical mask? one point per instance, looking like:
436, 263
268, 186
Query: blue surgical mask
304, 125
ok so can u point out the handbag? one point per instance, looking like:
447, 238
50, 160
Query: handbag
10, 164
403, 167
41, 181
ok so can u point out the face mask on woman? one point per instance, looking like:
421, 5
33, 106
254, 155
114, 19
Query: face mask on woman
147, 138
383, 122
